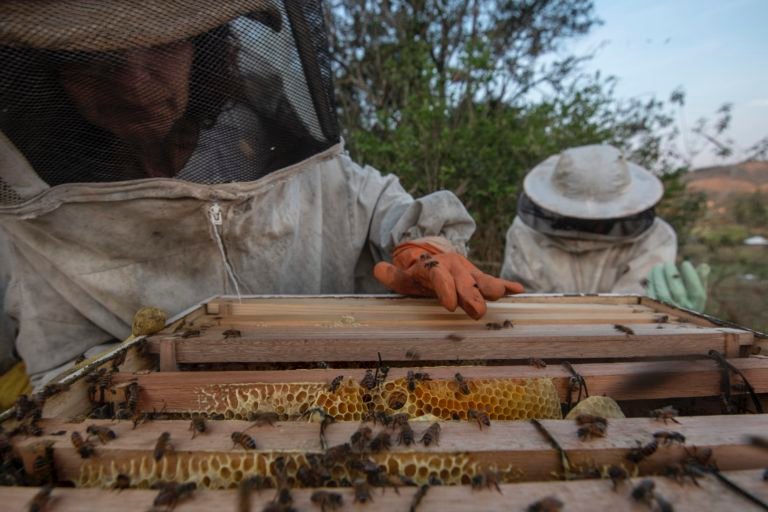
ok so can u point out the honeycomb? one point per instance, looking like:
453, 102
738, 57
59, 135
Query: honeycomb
598, 406
502, 399
226, 470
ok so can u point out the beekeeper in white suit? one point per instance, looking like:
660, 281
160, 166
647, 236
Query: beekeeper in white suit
157, 153
586, 224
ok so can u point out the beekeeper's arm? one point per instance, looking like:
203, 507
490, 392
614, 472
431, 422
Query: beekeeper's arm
426, 241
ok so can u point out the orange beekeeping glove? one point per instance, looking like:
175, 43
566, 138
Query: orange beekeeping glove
431, 267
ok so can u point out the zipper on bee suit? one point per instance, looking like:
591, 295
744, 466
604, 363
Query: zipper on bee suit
216, 218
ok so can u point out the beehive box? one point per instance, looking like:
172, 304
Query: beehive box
360, 361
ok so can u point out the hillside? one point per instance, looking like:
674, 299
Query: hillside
720, 182
736, 209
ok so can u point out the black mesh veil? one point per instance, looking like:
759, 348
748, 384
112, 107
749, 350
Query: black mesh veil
233, 102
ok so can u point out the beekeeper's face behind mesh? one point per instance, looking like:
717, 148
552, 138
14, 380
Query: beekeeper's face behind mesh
113, 91
136, 94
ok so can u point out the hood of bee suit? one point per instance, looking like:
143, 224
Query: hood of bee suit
214, 93
593, 183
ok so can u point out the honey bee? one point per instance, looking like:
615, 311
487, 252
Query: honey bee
399, 420
25, 407
411, 355
623, 328
637, 455
79, 359
431, 264
244, 440
486, 480
548, 504
42, 499
431, 435
310, 477
245, 489
361, 438
586, 419
493, 326
43, 469
413, 377
406, 435
327, 500
663, 505
455, 337
508, 324
260, 419
397, 400
419, 496
369, 380
118, 361
382, 441
479, 416
381, 374
132, 396
284, 499
701, 457
162, 446
590, 430
667, 437
122, 481
335, 383
197, 425
105, 434
362, 491
644, 492
28, 428
462, 383
678, 473
83, 447
52, 389
337, 454
665, 413
172, 494
232, 333
537, 363
617, 475
191, 333
661, 319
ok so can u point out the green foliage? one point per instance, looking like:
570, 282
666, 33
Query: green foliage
751, 211
680, 207
458, 95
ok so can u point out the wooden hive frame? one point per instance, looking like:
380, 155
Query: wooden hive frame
212, 360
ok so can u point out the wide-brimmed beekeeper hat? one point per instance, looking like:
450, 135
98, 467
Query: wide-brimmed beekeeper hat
108, 25
592, 182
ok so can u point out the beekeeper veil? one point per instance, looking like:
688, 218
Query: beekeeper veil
116, 90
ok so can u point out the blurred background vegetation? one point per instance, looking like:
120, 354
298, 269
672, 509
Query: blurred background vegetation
468, 95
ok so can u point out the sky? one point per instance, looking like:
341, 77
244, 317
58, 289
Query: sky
716, 50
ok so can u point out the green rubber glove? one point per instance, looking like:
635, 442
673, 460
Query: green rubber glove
686, 287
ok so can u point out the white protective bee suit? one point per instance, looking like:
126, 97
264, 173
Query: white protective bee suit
88, 249
585, 224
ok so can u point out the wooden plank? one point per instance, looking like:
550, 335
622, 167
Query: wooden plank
168, 355
363, 344
516, 448
225, 303
182, 392
411, 320
579, 496
688, 316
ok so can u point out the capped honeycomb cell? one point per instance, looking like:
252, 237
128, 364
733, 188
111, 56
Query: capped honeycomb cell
597, 405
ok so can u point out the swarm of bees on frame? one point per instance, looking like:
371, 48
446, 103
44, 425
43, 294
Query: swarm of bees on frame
393, 412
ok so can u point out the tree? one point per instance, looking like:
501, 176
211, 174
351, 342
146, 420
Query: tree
468, 96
